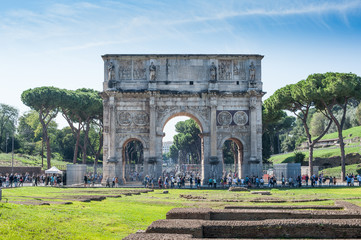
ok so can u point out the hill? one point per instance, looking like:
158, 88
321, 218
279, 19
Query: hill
352, 136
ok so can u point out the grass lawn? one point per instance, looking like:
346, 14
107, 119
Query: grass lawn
115, 218
336, 171
347, 134
322, 153
21, 160
325, 153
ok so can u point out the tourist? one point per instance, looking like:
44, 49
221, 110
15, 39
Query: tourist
299, 181
283, 181
348, 180
290, 182
334, 181
116, 182
210, 182
178, 182
166, 182
214, 182
152, 182
183, 181
274, 181
160, 182
229, 181
306, 179
330, 181
261, 181
359, 179
85, 180
172, 182
113, 182
191, 182
11, 180
107, 182
257, 182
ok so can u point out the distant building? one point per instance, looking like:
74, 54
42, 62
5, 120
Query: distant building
166, 147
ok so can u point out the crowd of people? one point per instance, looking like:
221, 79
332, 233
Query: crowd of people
182, 180
172, 181
230, 180
91, 179
17, 180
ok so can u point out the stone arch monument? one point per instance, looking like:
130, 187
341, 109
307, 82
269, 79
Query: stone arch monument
222, 93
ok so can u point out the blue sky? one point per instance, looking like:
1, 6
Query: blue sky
59, 43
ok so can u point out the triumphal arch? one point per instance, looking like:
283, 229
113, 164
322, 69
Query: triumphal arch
222, 93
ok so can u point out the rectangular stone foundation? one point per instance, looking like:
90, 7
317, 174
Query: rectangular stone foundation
253, 214
290, 228
265, 222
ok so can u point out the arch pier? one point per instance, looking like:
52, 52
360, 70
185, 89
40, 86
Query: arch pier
222, 93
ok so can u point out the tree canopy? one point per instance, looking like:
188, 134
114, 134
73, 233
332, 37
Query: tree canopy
187, 142
332, 90
46, 101
8, 118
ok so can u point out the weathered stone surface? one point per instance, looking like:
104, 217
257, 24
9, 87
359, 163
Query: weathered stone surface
158, 236
273, 228
222, 93
318, 207
261, 192
238, 189
262, 223
254, 214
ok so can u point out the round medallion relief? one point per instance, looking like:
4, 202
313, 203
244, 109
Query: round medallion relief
141, 118
224, 118
240, 118
124, 118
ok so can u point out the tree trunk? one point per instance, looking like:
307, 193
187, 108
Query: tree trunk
76, 148
343, 156
85, 144
45, 136
340, 136
48, 151
310, 160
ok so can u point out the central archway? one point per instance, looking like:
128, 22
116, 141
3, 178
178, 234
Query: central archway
232, 155
187, 148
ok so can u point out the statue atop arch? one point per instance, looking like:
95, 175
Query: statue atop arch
152, 72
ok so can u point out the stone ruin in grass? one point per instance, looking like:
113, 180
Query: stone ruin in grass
342, 221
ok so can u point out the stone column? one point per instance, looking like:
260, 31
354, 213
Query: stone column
210, 166
206, 167
152, 160
213, 127
114, 167
112, 130
254, 161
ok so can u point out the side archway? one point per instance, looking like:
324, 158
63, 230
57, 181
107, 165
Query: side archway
133, 160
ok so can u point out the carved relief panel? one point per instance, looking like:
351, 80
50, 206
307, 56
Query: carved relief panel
242, 70
225, 70
128, 118
232, 132
125, 70
144, 139
232, 117
139, 70
199, 111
